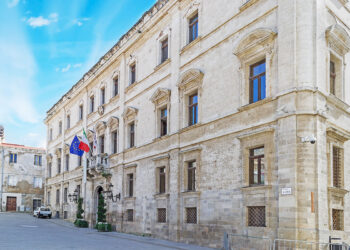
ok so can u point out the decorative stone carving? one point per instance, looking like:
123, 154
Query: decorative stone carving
101, 110
66, 148
100, 127
338, 39
113, 123
58, 152
161, 96
49, 157
130, 113
190, 79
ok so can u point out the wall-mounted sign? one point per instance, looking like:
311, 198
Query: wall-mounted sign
286, 191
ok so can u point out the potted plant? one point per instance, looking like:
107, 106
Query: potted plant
102, 225
80, 222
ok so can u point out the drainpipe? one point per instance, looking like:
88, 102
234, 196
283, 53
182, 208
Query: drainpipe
2, 173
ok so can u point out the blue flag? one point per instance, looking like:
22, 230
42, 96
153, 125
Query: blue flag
74, 147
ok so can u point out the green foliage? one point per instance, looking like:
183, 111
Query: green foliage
106, 175
81, 223
103, 227
80, 209
101, 209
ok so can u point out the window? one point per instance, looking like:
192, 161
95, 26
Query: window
191, 215
12, 181
58, 165
130, 215
80, 161
130, 185
67, 162
256, 166
65, 195
37, 160
256, 216
332, 76
78, 189
161, 215
132, 73
338, 219
164, 50
132, 135
103, 96
116, 86
65, 215
48, 198
162, 180
193, 109
49, 169
68, 121
191, 176
57, 196
50, 136
81, 112
115, 142
60, 128
13, 158
92, 104
193, 28
257, 82
337, 167
163, 122
37, 182
102, 144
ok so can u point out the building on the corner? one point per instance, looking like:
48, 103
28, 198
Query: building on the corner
206, 114
23, 177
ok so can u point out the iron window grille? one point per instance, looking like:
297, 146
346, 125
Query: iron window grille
337, 171
191, 215
130, 215
161, 215
256, 216
338, 219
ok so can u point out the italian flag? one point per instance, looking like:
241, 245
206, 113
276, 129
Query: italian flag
84, 143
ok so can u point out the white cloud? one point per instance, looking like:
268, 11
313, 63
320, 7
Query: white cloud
80, 21
12, 3
78, 65
67, 68
41, 21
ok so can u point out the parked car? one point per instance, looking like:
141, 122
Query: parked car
42, 212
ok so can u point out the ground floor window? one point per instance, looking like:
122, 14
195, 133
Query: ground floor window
130, 215
256, 216
191, 215
338, 219
161, 215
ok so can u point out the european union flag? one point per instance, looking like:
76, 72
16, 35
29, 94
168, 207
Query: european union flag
74, 147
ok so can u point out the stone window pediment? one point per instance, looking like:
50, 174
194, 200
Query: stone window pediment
66, 148
337, 134
258, 40
100, 127
130, 113
58, 152
338, 39
113, 123
90, 135
161, 96
49, 157
192, 78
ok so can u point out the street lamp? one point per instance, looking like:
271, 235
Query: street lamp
74, 196
108, 194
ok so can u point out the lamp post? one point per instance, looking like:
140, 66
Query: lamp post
2, 163
73, 197
108, 194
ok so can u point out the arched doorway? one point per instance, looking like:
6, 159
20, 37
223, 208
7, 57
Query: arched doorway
97, 193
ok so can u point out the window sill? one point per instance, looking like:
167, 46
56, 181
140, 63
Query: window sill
132, 198
130, 87
161, 195
114, 98
190, 45
190, 127
191, 193
254, 104
161, 65
338, 192
129, 149
256, 187
338, 102
91, 114
247, 4
163, 137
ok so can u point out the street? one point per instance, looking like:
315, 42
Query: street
23, 231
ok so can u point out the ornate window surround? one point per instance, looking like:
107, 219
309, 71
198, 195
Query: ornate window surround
257, 45
164, 34
161, 100
113, 125
129, 116
190, 82
193, 9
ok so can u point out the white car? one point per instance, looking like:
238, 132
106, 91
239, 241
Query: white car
42, 212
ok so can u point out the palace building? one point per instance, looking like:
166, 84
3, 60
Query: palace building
213, 117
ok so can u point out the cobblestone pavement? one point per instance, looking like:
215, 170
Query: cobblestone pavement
23, 231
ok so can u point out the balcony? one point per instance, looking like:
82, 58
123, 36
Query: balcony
98, 165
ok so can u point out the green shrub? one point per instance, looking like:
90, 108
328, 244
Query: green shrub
81, 223
103, 227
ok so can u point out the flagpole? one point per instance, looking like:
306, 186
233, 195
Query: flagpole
84, 182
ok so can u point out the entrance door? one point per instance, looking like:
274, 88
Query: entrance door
11, 204
36, 203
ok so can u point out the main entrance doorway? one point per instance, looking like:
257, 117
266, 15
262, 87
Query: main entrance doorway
11, 204
97, 193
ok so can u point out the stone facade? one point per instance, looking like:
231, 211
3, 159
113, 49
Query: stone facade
23, 177
246, 164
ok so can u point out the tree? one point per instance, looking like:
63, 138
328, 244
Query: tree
80, 209
101, 210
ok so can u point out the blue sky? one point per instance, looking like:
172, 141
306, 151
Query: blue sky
46, 47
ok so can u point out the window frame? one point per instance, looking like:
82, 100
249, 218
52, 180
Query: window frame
252, 77
66, 157
132, 132
115, 142
92, 103
193, 22
164, 49
193, 105
81, 112
251, 167
102, 96
191, 178
132, 69
163, 121
130, 181
116, 86
162, 180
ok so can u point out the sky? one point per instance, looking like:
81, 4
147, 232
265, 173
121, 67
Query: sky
45, 48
